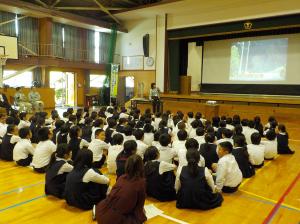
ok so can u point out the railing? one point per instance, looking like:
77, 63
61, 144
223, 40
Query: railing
58, 51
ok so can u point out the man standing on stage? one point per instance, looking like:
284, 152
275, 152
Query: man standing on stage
154, 97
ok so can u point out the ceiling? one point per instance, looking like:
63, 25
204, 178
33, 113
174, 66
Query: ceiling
95, 9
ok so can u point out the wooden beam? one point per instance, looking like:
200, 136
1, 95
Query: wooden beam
106, 11
87, 8
12, 20
20, 72
41, 3
60, 16
55, 3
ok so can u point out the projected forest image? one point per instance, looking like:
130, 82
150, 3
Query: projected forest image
259, 60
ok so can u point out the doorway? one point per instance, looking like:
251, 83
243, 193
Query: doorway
64, 85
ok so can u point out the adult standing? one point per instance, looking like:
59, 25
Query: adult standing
35, 99
155, 97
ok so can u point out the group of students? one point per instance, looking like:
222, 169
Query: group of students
164, 156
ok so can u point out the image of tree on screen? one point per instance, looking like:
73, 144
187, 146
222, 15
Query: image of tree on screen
259, 60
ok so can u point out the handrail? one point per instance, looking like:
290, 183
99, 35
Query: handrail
59, 51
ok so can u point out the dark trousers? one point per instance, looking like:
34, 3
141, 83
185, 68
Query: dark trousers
25, 162
259, 166
156, 105
230, 189
99, 164
40, 170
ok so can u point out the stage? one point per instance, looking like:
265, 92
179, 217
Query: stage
285, 108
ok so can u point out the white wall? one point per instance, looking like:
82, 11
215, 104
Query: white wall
198, 12
194, 65
131, 43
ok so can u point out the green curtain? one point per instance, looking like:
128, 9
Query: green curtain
105, 91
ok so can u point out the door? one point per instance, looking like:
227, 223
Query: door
64, 85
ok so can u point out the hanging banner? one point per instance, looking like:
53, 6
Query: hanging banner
114, 80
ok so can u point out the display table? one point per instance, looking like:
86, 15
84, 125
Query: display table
143, 104
211, 110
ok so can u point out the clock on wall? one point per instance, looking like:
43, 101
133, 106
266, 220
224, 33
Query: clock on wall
150, 61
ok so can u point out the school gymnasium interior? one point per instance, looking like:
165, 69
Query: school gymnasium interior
215, 57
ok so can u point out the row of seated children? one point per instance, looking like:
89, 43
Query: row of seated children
158, 160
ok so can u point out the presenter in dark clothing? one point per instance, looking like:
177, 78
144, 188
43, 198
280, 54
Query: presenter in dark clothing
155, 98
4, 102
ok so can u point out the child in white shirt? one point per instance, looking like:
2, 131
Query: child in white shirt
23, 150
113, 151
99, 148
141, 146
270, 145
148, 134
43, 150
167, 153
8, 143
200, 136
24, 123
155, 141
256, 151
226, 136
180, 142
228, 173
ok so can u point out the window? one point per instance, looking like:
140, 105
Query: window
97, 80
24, 79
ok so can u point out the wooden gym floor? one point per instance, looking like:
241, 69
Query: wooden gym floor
272, 196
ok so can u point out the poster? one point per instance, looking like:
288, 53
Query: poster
114, 80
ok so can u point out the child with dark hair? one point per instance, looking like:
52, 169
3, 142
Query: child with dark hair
167, 153
148, 134
9, 141
3, 125
181, 154
271, 119
23, 121
241, 155
256, 151
248, 131
43, 151
121, 126
62, 135
99, 148
157, 120
160, 176
125, 202
236, 120
58, 125
221, 129
226, 136
283, 141
200, 135
23, 150
228, 173
179, 144
258, 125
155, 141
141, 146
238, 131
128, 133
98, 124
190, 117
65, 117
195, 185
229, 123
110, 130
113, 151
76, 142
193, 127
209, 151
216, 122
87, 129
270, 145
130, 148
57, 171
85, 187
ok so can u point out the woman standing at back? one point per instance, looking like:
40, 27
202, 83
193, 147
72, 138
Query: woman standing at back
125, 203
